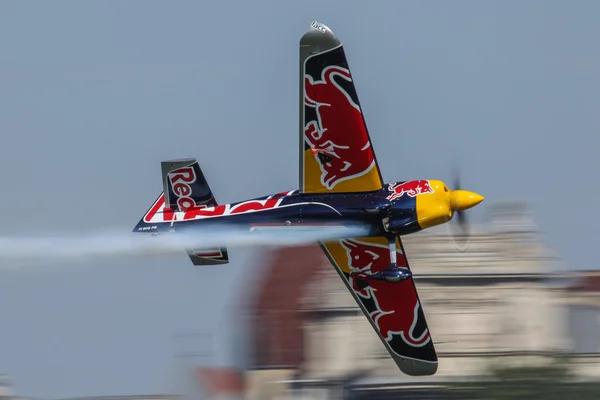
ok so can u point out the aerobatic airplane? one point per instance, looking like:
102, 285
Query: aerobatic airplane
339, 183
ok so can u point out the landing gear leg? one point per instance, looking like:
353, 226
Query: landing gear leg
392, 244
394, 273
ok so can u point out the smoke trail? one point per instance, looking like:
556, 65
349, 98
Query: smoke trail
17, 251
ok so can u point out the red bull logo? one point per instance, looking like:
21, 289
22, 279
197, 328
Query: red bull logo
396, 306
158, 213
180, 183
339, 131
411, 188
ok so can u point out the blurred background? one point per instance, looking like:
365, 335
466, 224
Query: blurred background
93, 95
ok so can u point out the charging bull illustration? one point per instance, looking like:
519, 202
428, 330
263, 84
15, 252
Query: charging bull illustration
339, 131
396, 306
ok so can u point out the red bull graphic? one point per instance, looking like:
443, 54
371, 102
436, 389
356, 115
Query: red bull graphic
411, 188
395, 309
180, 183
338, 132
158, 213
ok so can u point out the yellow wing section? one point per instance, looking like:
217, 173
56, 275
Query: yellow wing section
336, 154
393, 309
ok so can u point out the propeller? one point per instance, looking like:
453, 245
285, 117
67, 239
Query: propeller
460, 223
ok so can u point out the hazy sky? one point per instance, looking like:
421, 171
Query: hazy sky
93, 95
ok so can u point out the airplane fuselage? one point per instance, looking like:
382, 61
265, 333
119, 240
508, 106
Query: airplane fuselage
298, 210
382, 212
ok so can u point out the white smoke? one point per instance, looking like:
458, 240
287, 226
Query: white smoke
16, 251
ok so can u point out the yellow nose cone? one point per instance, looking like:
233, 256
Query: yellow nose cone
463, 199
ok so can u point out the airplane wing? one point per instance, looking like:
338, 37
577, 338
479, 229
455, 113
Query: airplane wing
336, 154
393, 309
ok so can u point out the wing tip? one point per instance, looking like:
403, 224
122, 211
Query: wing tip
413, 367
319, 37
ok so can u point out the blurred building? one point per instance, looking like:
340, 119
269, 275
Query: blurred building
220, 383
497, 299
134, 397
209, 383
583, 313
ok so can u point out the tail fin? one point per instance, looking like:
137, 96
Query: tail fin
184, 187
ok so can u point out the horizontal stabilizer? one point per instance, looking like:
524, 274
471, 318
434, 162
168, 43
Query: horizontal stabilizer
214, 256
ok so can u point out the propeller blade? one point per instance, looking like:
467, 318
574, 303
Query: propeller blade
456, 179
461, 226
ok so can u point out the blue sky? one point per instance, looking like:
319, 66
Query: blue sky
93, 95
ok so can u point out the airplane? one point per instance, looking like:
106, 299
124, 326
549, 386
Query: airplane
340, 183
